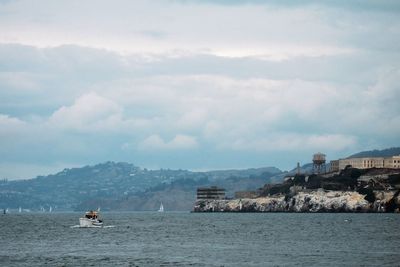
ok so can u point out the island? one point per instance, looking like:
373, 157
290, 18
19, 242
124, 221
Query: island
348, 190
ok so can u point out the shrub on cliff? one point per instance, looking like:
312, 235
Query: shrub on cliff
314, 181
369, 194
394, 179
299, 179
351, 172
392, 205
274, 189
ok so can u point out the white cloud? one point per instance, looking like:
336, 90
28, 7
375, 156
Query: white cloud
291, 142
11, 127
279, 52
88, 112
281, 80
267, 32
19, 81
179, 142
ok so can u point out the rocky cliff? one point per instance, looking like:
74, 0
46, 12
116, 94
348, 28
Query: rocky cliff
312, 201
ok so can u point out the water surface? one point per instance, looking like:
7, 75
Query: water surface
201, 239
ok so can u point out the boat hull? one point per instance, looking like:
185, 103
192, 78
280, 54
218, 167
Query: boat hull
85, 222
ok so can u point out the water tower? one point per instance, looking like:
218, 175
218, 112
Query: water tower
319, 160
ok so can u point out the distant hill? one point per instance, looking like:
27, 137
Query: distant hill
389, 152
306, 169
223, 174
124, 186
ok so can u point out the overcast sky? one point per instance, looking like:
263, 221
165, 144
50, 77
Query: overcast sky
195, 85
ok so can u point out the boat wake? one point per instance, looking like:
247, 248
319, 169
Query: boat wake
78, 226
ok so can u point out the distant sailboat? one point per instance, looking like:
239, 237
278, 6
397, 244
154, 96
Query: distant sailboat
161, 208
50, 209
20, 210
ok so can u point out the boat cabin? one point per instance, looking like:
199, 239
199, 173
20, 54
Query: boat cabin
91, 215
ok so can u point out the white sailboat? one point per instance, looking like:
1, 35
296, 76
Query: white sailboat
50, 209
20, 210
161, 208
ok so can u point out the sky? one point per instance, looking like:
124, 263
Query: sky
197, 85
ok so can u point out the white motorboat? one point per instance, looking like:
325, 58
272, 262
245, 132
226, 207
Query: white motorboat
91, 219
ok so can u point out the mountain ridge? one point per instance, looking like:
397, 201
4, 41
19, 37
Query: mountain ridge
388, 152
122, 185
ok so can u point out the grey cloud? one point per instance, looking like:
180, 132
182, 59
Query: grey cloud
357, 5
338, 86
154, 34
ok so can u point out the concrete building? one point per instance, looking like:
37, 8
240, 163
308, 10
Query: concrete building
212, 192
393, 162
362, 163
366, 163
334, 166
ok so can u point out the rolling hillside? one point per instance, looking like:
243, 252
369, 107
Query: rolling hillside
124, 186
389, 152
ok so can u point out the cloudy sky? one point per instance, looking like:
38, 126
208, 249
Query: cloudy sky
195, 84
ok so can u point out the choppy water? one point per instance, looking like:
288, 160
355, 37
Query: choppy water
207, 239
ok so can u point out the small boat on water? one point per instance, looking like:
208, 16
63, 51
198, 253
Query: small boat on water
91, 219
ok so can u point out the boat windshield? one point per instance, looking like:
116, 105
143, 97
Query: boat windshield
91, 215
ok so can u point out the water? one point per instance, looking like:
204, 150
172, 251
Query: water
206, 239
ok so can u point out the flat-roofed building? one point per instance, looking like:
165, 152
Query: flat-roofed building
366, 163
393, 162
334, 166
212, 192
362, 163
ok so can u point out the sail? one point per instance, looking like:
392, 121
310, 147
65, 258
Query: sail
161, 208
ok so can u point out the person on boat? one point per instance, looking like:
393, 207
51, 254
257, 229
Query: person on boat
90, 215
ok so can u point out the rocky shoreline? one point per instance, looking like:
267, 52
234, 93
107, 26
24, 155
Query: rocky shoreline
310, 201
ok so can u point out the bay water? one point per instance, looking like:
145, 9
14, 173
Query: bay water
201, 239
